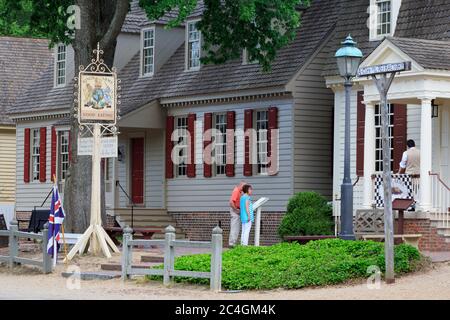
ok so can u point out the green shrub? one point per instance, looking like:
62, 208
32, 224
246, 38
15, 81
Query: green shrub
308, 213
292, 266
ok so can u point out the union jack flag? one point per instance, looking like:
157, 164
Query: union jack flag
55, 221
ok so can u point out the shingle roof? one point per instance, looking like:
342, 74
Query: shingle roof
22, 60
426, 19
172, 79
430, 54
137, 19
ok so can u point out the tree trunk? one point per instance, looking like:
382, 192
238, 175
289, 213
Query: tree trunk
101, 21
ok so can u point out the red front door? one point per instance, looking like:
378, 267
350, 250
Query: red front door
137, 170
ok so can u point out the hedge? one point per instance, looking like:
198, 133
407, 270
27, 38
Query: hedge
293, 266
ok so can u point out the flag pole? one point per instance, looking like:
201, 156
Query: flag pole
62, 228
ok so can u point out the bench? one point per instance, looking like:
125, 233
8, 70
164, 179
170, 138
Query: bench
145, 233
411, 239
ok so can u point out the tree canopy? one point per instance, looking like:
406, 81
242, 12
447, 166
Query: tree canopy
262, 27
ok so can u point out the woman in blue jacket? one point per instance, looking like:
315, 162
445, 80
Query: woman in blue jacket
247, 217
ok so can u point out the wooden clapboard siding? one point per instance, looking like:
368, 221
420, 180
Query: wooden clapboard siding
33, 193
153, 167
7, 164
202, 194
313, 130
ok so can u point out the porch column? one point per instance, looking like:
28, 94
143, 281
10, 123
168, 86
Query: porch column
369, 154
426, 141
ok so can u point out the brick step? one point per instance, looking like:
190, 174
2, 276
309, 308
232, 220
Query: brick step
148, 220
178, 235
139, 211
152, 259
148, 223
118, 267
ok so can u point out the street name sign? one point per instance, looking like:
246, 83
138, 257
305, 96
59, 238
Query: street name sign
384, 68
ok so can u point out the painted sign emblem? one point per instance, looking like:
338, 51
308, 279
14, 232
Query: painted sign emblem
97, 98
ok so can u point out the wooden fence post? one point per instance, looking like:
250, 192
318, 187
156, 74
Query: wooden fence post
216, 259
169, 254
126, 252
13, 245
46, 260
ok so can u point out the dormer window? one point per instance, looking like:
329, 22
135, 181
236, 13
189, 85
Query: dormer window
193, 46
148, 52
60, 65
383, 18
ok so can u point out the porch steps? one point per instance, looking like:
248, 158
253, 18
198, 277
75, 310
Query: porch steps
148, 218
443, 229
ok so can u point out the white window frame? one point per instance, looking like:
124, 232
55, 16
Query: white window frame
143, 48
188, 47
60, 65
378, 139
374, 19
245, 58
262, 142
181, 129
62, 154
35, 154
220, 143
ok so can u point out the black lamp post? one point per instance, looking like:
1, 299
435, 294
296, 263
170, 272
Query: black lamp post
348, 59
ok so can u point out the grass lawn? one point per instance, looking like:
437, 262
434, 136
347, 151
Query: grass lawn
293, 266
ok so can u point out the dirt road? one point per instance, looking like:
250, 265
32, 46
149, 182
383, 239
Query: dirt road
432, 284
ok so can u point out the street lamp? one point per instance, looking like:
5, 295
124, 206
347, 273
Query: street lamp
348, 59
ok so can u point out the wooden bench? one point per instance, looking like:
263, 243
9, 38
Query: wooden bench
411, 239
143, 233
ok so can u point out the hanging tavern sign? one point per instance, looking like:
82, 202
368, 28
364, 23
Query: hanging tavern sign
384, 68
97, 92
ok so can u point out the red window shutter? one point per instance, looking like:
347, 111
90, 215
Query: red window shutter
170, 125
43, 155
231, 125
399, 141
53, 160
360, 127
207, 126
248, 124
26, 156
273, 124
191, 147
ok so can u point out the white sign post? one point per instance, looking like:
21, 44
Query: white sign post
97, 101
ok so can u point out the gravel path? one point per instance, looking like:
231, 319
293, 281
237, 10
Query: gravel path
23, 284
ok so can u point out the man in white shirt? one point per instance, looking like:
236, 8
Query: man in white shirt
410, 163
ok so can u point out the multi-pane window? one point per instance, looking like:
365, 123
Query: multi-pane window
63, 154
193, 46
378, 137
182, 146
383, 17
262, 125
220, 142
60, 65
35, 154
148, 51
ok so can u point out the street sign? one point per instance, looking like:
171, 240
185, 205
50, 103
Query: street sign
384, 68
108, 147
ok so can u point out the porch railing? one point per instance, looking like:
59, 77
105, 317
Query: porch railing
440, 199
130, 201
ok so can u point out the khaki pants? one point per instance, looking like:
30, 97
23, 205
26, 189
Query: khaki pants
235, 226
